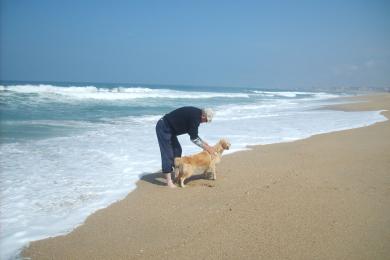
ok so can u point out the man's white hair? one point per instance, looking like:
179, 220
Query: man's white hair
209, 114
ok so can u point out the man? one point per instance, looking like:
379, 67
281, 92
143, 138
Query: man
184, 120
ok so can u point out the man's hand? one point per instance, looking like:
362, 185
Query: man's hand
210, 149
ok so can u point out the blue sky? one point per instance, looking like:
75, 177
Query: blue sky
267, 44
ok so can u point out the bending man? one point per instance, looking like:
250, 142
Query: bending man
184, 120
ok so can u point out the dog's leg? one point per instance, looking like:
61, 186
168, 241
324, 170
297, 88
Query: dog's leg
206, 174
177, 171
182, 182
214, 171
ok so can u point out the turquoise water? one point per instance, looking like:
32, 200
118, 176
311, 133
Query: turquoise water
40, 111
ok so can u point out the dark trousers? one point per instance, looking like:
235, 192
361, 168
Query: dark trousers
169, 145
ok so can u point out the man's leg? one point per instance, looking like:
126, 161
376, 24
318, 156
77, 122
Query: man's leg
164, 140
176, 146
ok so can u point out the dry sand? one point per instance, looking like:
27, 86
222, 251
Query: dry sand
325, 197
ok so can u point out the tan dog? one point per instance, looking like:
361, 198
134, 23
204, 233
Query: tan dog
202, 162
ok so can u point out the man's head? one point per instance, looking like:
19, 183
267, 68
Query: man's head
207, 115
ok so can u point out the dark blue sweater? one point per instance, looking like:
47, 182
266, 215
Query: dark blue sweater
184, 120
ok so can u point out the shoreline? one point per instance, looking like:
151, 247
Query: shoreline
180, 223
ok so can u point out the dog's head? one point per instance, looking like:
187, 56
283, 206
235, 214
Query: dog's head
225, 144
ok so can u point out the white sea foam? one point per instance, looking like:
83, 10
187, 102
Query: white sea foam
119, 93
293, 94
52, 185
281, 93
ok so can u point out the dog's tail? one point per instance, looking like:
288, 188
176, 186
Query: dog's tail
177, 162
178, 166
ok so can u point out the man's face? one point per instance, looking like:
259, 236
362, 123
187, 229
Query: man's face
203, 119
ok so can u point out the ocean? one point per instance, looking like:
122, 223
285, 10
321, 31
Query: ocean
68, 150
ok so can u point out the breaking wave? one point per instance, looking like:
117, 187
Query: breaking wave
117, 93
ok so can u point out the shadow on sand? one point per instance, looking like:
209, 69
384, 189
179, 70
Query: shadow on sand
158, 178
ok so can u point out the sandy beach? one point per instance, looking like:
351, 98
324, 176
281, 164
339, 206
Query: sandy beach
325, 197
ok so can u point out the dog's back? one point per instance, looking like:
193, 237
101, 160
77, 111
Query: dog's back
200, 159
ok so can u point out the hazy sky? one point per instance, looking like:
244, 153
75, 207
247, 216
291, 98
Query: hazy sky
268, 44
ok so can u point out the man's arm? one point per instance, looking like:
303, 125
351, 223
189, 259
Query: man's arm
202, 144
